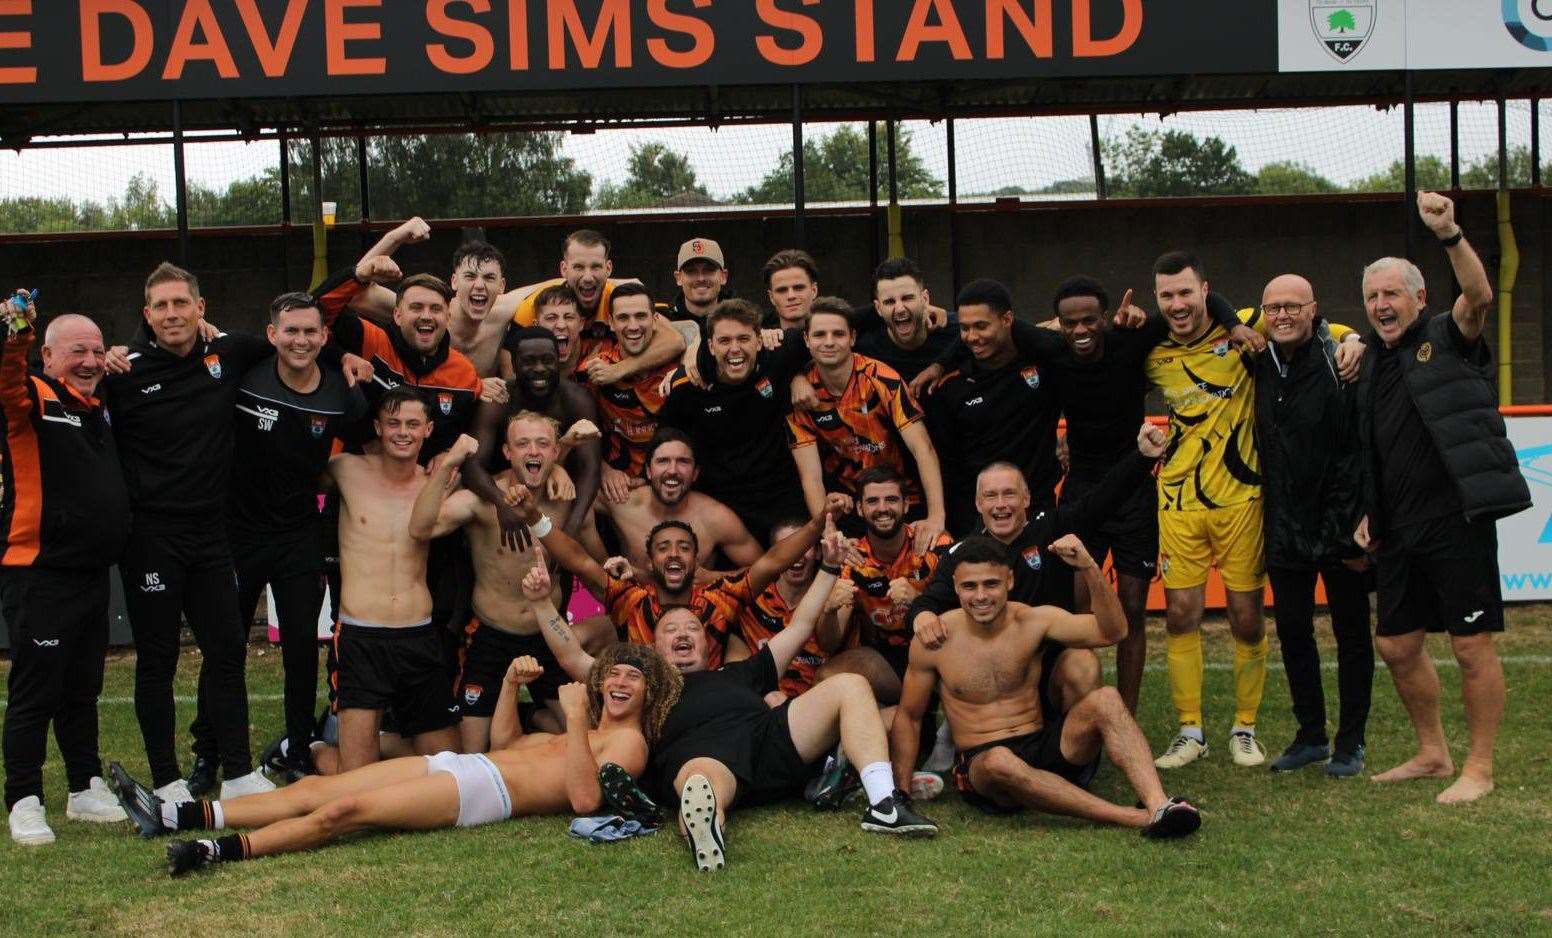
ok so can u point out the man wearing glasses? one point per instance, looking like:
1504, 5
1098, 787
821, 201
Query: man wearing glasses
1312, 485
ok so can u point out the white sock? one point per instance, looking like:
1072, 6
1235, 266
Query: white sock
878, 780
170, 815
1195, 732
217, 817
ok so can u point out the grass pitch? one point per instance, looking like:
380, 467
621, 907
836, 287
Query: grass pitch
1276, 855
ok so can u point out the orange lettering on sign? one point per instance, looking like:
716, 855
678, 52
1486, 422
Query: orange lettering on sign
517, 35
274, 56
948, 30
703, 40
1034, 26
565, 21
1084, 45
93, 68
198, 15
337, 33
17, 74
484, 46
807, 28
863, 19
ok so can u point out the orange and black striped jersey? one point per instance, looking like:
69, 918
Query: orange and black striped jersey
63, 501
445, 379
635, 610
525, 314
874, 614
627, 411
759, 622
861, 427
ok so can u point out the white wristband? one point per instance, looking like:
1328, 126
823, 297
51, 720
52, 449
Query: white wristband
543, 528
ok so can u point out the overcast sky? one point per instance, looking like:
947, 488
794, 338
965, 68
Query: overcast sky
1341, 143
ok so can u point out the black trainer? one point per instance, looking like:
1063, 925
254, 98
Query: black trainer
139, 802
203, 777
893, 815
828, 790
281, 763
626, 798
1177, 818
185, 856
702, 826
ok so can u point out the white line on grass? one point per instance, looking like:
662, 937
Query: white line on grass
1151, 669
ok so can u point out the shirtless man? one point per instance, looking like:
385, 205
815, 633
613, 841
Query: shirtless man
386, 647
1012, 755
671, 471
722, 744
613, 718
503, 627
539, 386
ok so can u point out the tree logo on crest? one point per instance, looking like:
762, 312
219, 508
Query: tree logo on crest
1343, 26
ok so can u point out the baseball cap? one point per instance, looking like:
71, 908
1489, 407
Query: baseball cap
700, 248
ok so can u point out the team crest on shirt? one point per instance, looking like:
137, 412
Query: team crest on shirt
1032, 557
1425, 352
213, 365
471, 694
318, 424
1221, 347
764, 387
445, 402
1031, 377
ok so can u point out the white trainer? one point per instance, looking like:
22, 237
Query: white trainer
28, 825
1183, 750
97, 803
174, 792
251, 784
1246, 749
942, 757
926, 786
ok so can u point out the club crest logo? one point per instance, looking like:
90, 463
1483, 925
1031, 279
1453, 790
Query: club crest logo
318, 424
1031, 377
1425, 352
1344, 26
1221, 348
1530, 23
1032, 557
764, 387
213, 365
445, 402
471, 694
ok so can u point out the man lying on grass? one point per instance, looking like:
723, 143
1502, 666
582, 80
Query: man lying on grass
1011, 755
723, 743
628, 694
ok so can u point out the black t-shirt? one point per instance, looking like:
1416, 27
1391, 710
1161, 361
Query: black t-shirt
1414, 486
1103, 399
282, 439
875, 343
739, 430
715, 712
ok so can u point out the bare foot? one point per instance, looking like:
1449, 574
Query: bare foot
1419, 766
1466, 788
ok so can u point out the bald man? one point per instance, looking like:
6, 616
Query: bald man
65, 517
1312, 485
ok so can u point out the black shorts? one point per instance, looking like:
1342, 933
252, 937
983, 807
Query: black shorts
398, 669
760, 754
1439, 576
1041, 749
487, 653
1130, 534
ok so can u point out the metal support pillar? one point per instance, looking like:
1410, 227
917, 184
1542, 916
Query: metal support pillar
799, 208
180, 184
953, 217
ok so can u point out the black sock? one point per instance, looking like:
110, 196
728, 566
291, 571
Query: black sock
227, 849
194, 816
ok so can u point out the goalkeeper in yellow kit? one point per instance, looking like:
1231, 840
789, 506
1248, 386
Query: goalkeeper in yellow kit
1209, 499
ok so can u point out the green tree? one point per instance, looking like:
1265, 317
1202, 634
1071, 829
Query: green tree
835, 169
28, 214
1290, 177
1483, 173
251, 201
1070, 187
1151, 163
657, 174
1432, 173
1341, 21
